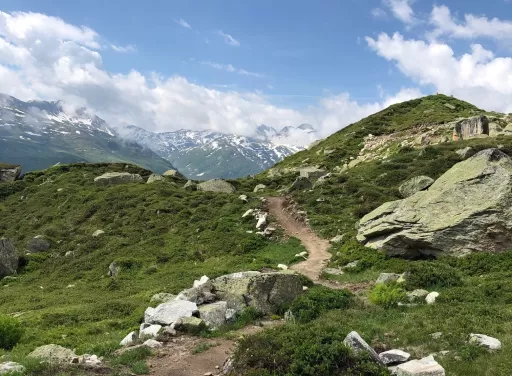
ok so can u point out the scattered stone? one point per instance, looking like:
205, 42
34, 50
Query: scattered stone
423, 367
355, 342
352, 264
169, 313
190, 186
9, 258
152, 343
98, 233
150, 331
113, 269
9, 368
413, 185
302, 254
259, 187
333, 271
485, 341
154, 178
243, 198
129, 339
10, 173
60, 189
90, 360
417, 295
53, 354
401, 228
114, 178
200, 295
216, 185
301, 183
70, 254
192, 325
394, 357
282, 267
262, 220
388, 278
162, 297
436, 335
214, 314
466, 153
38, 244
201, 281
337, 239
173, 173
248, 213
431, 297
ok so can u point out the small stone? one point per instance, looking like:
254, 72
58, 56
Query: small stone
394, 357
152, 344
485, 341
98, 233
69, 254
282, 267
208, 374
431, 297
243, 198
436, 335
387, 278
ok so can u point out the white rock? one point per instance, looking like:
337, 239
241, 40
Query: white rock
129, 339
11, 367
431, 297
262, 220
148, 313
436, 335
168, 313
423, 367
486, 341
98, 233
150, 331
248, 213
387, 278
282, 267
359, 345
201, 281
153, 344
91, 360
394, 357
243, 198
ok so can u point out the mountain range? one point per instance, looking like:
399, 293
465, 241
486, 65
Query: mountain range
38, 134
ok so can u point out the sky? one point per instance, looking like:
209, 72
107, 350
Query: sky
231, 65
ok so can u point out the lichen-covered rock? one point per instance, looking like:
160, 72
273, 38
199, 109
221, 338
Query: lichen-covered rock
114, 178
423, 367
10, 173
259, 187
472, 127
173, 173
38, 244
214, 314
216, 185
53, 354
168, 313
468, 209
415, 184
9, 258
359, 345
200, 294
154, 178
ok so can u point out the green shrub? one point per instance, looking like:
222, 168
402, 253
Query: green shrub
387, 294
317, 300
425, 275
11, 332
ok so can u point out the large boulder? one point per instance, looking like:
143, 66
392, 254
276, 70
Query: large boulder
173, 173
169, 313
472, 127
359, 345
53, 354
9, 258
9, 173
216, 185
38, 244
214, 315
114, 178
154, 178
266, 292
415, 184
312, 173
468, 209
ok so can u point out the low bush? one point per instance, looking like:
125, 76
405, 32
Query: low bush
11, 332
317, 300
387, 294
425, 275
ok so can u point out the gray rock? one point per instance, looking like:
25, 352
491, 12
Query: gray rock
434, 222
356, 343
190, 186
216, 185
173, 173
337, 239
416, 184
38, 244
472, 127
394, 357
10, 173
115, 178
162, 297
231, 315
388, 278
150, 331
98, 233
168, 313
466, 153
431, 297
154, 178
53, 354
201, 281
214, 314
152, 344
436, 335
417, 295
192, 325
333, 271
9, 258
129, 339
259, 187
424, 367
200, 295
485, 341
11, 368
113, 269
301, 183
311, 173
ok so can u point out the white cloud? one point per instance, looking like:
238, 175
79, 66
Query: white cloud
183, 23
477, 76
231, 68
228, 39
472, 26
379, 13
402, 10
124, 49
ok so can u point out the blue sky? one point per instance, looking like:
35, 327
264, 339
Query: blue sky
247, 62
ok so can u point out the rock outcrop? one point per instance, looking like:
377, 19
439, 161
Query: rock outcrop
38, 244
301, 183
415, 184
472, 127
115, 178
9, 258
9, 173
154, 178
468, 209
173, 173
54, 354
216, 185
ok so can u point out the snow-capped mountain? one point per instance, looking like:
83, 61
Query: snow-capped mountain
209, 154
39, 134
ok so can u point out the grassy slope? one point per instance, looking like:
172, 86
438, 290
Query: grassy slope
162, 236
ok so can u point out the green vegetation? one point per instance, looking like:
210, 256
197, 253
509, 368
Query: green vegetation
387, 295
203, 346
11, 332
134, 360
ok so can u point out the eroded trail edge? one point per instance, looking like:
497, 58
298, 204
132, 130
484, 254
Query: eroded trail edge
315, 246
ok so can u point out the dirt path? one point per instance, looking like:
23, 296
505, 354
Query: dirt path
316, 247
